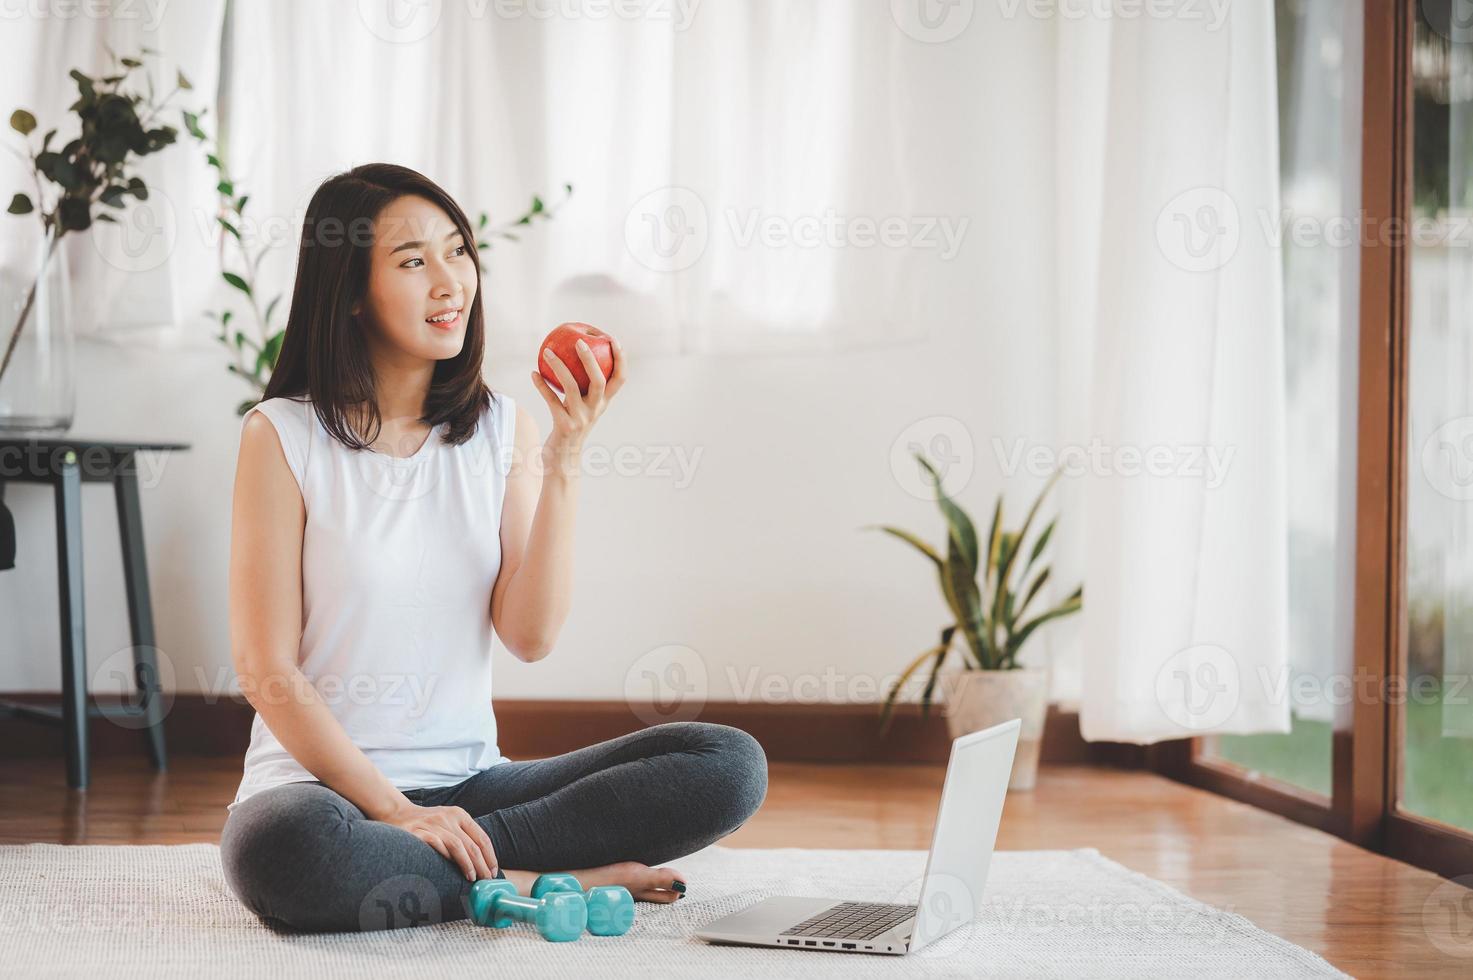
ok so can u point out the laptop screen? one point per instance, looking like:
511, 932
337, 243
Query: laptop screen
966, 830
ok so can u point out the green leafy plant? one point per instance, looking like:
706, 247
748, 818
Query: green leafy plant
991, 612
256, 350
486, 232
91, 170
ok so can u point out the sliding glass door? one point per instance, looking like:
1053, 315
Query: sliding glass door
1433, 720
1319, 85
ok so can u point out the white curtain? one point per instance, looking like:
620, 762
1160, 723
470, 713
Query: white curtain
147, 277
707, 145
1171, 369
733, 164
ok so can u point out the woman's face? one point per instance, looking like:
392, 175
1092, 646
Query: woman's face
420, 266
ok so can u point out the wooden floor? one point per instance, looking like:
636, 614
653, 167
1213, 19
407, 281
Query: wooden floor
1362, 912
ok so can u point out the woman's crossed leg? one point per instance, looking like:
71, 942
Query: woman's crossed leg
303, 856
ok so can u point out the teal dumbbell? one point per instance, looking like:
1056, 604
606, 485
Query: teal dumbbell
560, 917
610, 907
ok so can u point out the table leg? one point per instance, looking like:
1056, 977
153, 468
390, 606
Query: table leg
73, 617
7, 533
140, 606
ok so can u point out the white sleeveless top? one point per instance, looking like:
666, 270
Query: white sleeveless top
399, 557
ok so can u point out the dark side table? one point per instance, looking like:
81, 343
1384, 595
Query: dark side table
66, 464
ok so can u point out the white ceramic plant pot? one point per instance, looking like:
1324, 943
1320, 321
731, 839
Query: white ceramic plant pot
978, 699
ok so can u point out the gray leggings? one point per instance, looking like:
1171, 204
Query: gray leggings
303, 857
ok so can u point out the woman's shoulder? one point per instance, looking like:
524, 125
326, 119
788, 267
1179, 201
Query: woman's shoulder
292, 418
500, 416
498, 428
284, 406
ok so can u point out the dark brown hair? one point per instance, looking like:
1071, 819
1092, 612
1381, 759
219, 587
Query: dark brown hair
323, 355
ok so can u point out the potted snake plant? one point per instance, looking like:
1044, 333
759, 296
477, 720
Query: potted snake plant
990, 586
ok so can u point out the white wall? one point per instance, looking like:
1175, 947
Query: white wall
757, 565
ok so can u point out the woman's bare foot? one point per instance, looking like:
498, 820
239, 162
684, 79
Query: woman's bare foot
645, 884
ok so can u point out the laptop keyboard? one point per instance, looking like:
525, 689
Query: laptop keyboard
853, 920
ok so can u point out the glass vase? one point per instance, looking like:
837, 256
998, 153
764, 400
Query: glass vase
37, 343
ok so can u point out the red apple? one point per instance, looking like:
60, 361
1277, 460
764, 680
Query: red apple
561, 342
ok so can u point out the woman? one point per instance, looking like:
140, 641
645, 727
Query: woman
391, 514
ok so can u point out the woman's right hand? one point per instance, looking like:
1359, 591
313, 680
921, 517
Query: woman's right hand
451, 831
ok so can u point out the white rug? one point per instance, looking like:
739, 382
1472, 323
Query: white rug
162, 911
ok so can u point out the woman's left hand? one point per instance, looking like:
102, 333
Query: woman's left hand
573, 415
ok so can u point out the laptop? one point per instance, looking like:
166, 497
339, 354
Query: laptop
951, 890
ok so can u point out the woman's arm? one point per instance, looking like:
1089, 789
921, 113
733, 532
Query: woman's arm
533, 592
267, 524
